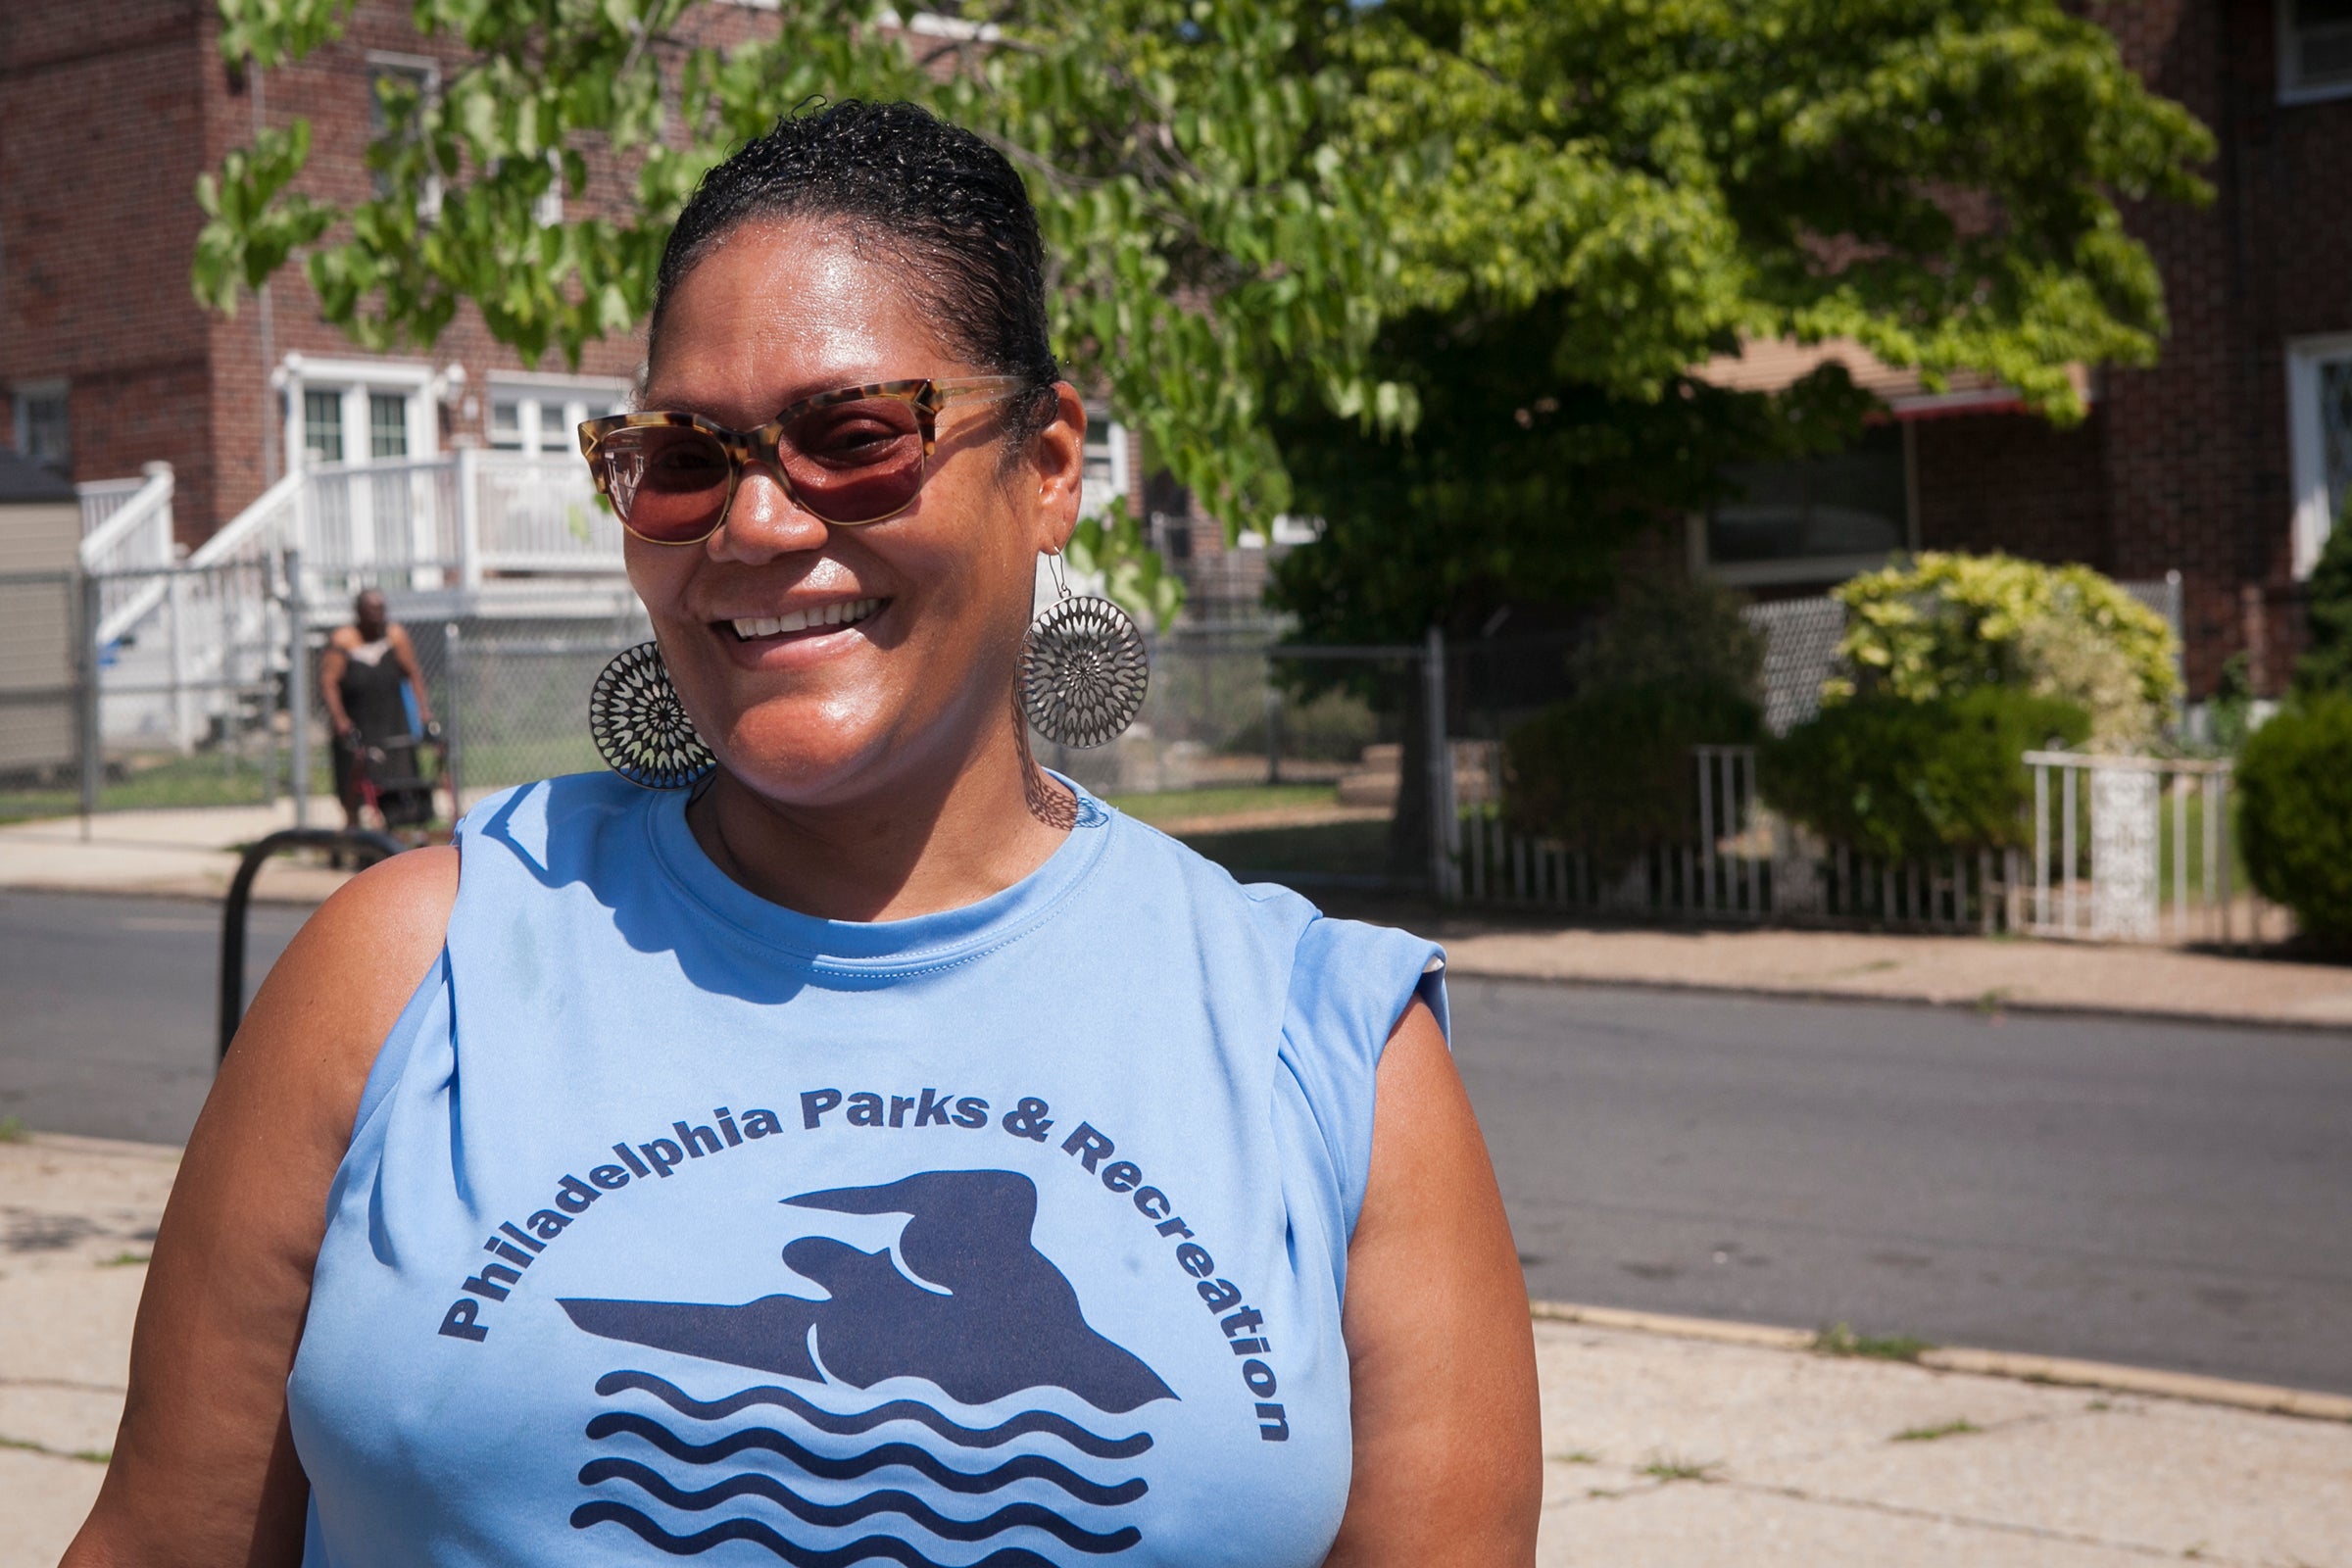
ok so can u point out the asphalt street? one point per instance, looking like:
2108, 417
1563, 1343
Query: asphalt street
107, 1008
2161, 1194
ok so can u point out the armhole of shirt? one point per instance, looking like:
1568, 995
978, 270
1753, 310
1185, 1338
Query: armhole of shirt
400, 1042
1351, 985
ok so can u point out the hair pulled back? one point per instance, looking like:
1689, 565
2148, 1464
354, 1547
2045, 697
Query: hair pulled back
947, 207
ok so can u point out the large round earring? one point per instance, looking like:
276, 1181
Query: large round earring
640, 727
1084, 670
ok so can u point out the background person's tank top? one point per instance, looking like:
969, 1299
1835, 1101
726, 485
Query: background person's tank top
676, 1223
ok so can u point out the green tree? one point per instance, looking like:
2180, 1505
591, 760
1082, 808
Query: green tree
1264, 209
1433, 269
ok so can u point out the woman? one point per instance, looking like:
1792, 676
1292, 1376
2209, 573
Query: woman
367, 678
881, 1152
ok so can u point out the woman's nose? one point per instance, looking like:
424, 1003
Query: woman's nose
764, 521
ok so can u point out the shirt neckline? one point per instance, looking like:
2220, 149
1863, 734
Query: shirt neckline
876, 947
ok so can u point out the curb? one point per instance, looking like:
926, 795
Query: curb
2053, 1008
2194, 1388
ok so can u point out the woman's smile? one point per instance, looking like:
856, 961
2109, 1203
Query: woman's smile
801, 634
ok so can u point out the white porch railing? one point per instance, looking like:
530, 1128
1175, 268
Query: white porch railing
135, 536
101, 499
450, 522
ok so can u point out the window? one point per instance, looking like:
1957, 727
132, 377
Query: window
2319, 401
1106, 462
358, 411
39, 416
2315, 50
542, 416
323, 425
399, 75
1812, 518
387, 426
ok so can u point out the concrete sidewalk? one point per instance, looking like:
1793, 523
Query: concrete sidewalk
193, 853
1661, 1451
1990, 974
189, 852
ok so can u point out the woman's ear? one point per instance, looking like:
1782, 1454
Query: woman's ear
1057, 459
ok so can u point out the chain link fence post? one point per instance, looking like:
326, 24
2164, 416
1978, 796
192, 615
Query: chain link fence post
86, 684
298, 688
453, 699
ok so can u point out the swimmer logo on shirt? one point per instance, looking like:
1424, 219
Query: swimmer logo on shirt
990, 1317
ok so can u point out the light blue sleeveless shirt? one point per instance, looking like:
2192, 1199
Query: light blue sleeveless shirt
676, 1223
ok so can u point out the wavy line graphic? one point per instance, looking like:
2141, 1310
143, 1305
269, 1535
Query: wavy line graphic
833, 1515
868, 1550
1025, 1467
853, 1422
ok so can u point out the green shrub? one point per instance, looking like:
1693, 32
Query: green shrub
1672, 633
1908, 779
1948, 623
2294, 790
1610, 771
2327, 662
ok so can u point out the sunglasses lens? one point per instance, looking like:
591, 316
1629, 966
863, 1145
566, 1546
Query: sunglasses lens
855, 462
669, 483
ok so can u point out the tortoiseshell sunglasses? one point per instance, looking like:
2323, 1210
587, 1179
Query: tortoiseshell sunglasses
852, 456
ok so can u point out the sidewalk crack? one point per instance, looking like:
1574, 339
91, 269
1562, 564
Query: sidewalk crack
1971, 1521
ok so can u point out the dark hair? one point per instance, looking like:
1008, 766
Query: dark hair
946, 203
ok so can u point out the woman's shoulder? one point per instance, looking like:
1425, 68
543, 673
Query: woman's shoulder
1333, 964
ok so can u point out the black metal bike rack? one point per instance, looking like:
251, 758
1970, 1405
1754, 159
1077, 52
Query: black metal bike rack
365, 845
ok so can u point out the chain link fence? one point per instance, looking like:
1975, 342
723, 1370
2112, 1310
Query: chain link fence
141, 689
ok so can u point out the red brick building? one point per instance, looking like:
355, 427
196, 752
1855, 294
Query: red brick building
2227, 460
2223, 463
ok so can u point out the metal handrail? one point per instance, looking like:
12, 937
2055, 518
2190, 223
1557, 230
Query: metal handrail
365, 841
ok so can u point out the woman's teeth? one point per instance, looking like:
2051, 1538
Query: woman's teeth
839, 613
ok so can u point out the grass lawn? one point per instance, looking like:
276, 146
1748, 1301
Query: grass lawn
178, 781
1232, 800
1327, 849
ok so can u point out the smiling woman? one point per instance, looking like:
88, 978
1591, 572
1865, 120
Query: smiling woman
858, 1143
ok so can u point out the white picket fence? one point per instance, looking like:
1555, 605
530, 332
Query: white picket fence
2124, 849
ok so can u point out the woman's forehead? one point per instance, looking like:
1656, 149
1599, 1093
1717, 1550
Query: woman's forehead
774, 312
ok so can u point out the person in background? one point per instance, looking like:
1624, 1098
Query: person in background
367, 665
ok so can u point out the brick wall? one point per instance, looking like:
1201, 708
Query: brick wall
2013, 483
2197, 447
101, 138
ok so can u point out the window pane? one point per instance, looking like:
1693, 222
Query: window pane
506, 423
1852, 503
554, 432
41, 432
2335, 433
387, 425
323, 425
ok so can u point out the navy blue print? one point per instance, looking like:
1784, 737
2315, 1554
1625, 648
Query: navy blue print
1009, 1320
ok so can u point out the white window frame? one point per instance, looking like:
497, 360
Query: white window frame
353, 380
2292, 89
21, 396
584, 397
1113, 435
2307, 442
1812, 569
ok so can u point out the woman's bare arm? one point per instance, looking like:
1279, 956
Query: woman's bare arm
203, 1469
405, 652
1449, 1453
331, 665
